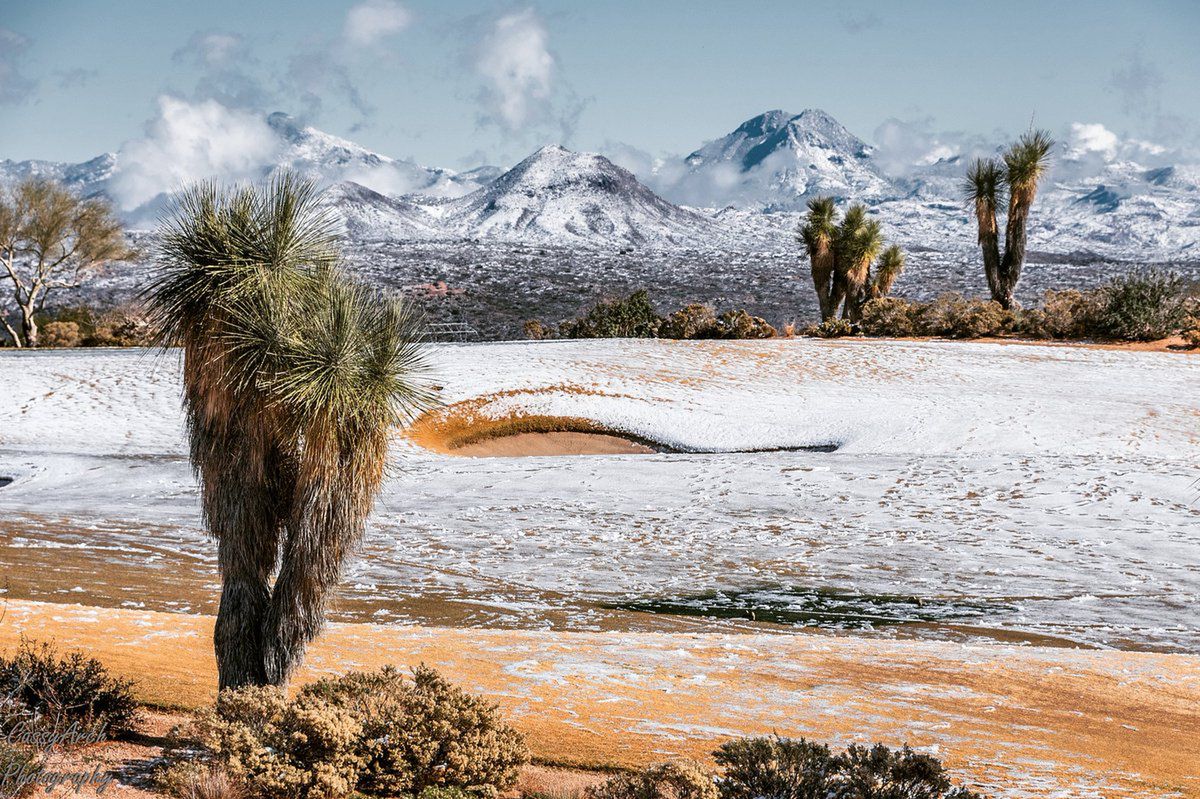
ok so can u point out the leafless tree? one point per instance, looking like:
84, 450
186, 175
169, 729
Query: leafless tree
50, 239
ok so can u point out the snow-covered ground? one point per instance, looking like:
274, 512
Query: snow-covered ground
1036, 493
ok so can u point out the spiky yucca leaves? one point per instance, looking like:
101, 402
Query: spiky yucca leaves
984, 190
1025, 163
887, 269
245, 276
342, 373
817, 233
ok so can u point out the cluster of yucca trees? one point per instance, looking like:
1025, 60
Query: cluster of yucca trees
1011, 179
294, 377
850, 264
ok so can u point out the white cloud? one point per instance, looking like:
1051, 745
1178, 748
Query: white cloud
1087, 138
518, 70
14, 86
373, 20
902, 145
190, 141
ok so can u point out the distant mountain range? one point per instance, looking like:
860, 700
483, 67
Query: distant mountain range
743, 191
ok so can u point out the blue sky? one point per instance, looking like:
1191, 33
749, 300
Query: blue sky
457, 84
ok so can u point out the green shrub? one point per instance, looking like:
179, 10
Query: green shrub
60, 334
628, 317
695, 321
375, 732
67, 690
775, 768
888, 316
740, 324
882, 773
680, 780
783, 768
1143, 307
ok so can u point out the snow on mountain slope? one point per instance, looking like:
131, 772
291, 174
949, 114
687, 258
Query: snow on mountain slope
761, 175
777, 161
563, 197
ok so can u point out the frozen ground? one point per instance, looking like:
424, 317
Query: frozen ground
980, 491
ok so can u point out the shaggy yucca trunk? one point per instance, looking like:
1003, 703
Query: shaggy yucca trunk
823, 267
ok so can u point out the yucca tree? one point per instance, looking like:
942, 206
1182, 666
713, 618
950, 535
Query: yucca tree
292, 379
817, 233
859, 242
887, 270
1017, 174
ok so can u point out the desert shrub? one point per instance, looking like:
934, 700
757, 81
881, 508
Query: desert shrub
693, 321
122, 327
629, 317
775, 768
425, 732
196, 779
1191, 327
831, 328
740, 324
888, 316
279, 749
680, 780
953, 316
536, 330
20, 771
1068, 314
73, 689
1142, 307
783, 768
878, 772
376, 732
61, 334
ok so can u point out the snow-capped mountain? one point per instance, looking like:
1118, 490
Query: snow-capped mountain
778, 160
760, 176
558, 196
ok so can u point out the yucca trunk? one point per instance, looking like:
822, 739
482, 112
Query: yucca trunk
856, 284
1009, 270
340, 474
823, 262
989, 243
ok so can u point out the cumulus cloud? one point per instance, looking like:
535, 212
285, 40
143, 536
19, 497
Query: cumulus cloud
518, 70
905, 145
189, 141
228, 70
15, 87
371, 21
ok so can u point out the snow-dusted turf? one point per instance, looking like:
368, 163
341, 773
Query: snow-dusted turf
1018, 491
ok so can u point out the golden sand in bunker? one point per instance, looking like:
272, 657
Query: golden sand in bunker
465, 429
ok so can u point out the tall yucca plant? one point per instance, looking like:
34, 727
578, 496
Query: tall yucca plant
1017, 174
817, 232
292, 379
859, 241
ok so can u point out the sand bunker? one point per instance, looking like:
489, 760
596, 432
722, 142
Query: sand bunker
556, 443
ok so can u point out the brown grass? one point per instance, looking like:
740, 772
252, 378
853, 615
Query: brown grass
1117, 724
